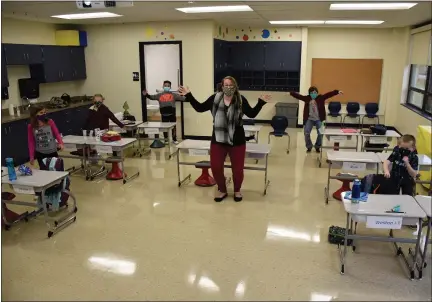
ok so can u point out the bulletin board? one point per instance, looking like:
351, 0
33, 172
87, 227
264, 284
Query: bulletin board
359, 79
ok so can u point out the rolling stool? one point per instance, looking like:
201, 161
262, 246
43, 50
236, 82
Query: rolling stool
116, 172
345, 185
8, 216
205, 180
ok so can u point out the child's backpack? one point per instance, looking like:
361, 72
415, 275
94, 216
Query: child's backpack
336, 235
55, 196
378, 184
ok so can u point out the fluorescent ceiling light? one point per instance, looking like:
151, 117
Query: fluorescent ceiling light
355, 22
371, 6
215, 9
87, 16
298, 22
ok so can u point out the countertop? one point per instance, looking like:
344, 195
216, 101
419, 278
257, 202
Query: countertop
26, 115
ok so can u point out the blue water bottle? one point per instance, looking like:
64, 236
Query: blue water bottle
11, 168
356, 189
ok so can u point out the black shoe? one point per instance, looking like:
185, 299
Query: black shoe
238, 198
317, 150
308, 150
219, 199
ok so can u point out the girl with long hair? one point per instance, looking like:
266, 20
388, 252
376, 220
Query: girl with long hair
228, 138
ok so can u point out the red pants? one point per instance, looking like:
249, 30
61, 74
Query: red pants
218, 153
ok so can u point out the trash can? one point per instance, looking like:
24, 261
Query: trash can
290, 111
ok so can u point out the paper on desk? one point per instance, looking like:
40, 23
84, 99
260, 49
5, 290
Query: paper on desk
384, 222
197, 152
378, 140
69, 147
23, 189
350, 166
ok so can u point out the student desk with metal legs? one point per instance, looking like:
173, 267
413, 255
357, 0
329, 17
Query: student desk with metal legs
202, 148
378, 139
153, 128
253, 130
349, 161
337, 136
131, 126
425, 202
39, 182
376, 213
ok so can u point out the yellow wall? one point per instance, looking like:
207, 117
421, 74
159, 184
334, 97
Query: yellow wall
18, 31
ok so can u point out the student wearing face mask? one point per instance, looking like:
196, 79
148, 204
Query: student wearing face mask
404, 165
228, 138
99, 115
167, 106
42, 134
314, 113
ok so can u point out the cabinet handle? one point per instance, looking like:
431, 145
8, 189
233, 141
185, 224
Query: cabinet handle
10, 130
24, 55
245, 64
283, 64
59, 75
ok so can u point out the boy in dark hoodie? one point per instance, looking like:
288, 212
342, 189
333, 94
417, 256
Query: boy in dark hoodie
167, 106
314, 113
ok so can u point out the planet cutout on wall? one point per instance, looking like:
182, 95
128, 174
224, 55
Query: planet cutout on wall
290, 35
226, 30
220, 30
245, 37
265, 33
237, 37
172, 36
162, 33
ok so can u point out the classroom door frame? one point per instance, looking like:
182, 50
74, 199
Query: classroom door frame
143, 78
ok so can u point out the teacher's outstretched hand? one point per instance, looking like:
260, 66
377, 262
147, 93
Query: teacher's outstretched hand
183, 90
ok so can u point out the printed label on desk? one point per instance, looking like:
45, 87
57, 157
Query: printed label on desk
338, 138
378, 140
386, 222
350, 166
103, 149
70, 147
23, 190
198, 152
151, 131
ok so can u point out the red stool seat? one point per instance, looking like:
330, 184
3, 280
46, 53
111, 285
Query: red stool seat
116, 173
345, 186
205, 180
10, 216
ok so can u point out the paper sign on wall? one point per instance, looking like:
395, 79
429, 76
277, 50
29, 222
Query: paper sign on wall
151, 131
384, 222
350, 166
378, 140
23, 190
70, 147
198, 152
104, 149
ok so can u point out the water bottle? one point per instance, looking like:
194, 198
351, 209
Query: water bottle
356, 189
11, 169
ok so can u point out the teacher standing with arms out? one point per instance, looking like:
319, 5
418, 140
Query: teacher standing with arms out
227, 108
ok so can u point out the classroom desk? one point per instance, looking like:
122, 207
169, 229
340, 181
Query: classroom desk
253, 130
73, 141
202, 148
337, 135
39, 182
131, 126
374, 212
378, 139
425, 202
353, 161
153, 128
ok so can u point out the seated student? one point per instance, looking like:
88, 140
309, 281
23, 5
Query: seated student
99, 115
404, 165
167, 106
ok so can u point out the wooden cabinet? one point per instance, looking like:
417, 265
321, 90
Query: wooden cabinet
77, 59
23, 54
4, 76
14, 142
260, 65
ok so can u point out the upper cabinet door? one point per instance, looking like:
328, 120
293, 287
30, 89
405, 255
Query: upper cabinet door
79, 71
52, 62
255, 55
4, 76
239, 55
291, 59
15, 54
274, 52
218, 53
23, 54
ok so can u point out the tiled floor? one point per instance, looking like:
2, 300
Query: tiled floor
150, 240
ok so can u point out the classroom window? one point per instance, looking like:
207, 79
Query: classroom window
420, 89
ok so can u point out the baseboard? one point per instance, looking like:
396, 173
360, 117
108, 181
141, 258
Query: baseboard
197, 137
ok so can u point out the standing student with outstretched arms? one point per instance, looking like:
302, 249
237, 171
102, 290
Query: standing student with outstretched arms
314, 113
227, 108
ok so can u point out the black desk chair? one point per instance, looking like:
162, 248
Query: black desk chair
334, 109
279, 124
352, 109
371, 112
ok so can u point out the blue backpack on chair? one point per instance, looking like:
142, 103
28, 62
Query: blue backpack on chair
56, 197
